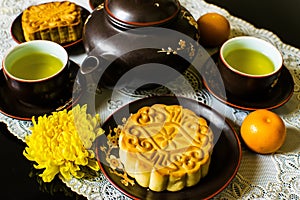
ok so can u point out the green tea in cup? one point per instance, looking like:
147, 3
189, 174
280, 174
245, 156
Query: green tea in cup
35, 60
249, 66
37, 72
250, 62
251, 56
35, 66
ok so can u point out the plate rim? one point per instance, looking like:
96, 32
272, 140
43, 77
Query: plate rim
226, 121
93, 5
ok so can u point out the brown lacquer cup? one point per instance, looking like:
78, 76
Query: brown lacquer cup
249, 66
36, 72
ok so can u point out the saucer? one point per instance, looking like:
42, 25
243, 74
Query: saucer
18, 36
13, 108
272, 99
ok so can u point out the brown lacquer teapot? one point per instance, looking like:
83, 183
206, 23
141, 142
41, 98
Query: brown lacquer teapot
139, 42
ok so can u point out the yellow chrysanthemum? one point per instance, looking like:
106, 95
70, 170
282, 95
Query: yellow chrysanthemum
60, 143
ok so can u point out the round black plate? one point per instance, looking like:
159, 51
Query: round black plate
225, 161
18, 36
272, 99
13, 108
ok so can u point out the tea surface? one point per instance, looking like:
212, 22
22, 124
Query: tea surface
250, 62
36, 66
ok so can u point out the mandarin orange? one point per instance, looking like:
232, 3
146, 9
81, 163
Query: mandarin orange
263, 131
214, 29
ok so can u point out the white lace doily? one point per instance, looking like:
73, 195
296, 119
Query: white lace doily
274, 176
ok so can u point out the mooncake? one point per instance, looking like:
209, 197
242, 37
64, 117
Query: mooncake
166, 147
59, 22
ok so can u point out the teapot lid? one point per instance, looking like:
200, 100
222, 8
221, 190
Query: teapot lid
139, 13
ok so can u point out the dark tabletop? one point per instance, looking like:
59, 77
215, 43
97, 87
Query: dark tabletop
277, 16
19, 179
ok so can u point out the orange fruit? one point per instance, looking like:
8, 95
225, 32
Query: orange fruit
263, 131
214, 29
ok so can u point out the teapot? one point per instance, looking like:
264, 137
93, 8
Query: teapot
139, 43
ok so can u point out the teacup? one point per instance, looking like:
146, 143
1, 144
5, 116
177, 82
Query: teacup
249, 66
36, 72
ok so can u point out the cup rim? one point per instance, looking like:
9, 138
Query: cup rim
36, 42
250, 38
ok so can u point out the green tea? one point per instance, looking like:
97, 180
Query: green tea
250, 62
35, 66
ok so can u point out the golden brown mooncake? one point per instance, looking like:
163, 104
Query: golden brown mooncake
59, 22
166, 147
